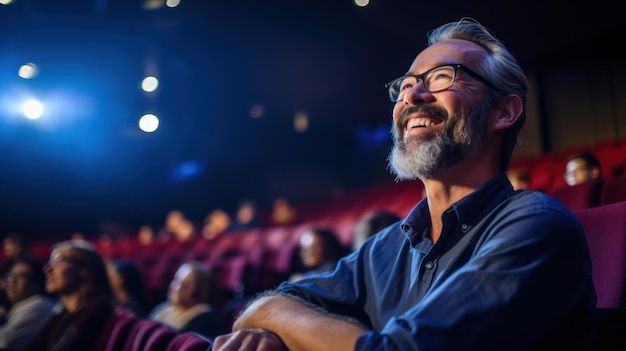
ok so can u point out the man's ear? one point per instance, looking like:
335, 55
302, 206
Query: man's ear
508, 113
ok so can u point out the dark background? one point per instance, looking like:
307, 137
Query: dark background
85, 163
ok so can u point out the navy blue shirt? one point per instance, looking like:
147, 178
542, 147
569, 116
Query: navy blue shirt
511, 271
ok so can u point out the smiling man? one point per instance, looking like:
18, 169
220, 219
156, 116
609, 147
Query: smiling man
475, 265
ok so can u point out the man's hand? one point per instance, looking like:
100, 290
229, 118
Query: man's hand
249, 340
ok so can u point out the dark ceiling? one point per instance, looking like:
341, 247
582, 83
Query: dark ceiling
85, 162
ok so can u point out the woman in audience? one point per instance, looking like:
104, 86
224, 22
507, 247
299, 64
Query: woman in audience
190, 304
127, 284
76, 274
320, 249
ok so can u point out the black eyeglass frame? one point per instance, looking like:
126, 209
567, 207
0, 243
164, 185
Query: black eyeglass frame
455, 66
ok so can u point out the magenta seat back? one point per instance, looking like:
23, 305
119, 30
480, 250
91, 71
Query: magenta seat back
159, 338
189, 341
139, 334
579, 196
613, 190
605, 229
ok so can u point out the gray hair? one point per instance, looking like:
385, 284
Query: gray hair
500, 68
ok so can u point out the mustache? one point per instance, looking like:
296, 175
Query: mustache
429, 110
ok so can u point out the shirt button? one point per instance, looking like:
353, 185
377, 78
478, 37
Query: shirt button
428, 265
464, 226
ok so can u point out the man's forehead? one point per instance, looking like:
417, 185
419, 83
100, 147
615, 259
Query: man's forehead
449, 51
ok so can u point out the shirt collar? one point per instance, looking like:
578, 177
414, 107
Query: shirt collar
468, 209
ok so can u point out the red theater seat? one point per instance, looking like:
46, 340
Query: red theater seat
613, 190
579, 196
115, 332
139, 334
159, 338
605, 229
189, 341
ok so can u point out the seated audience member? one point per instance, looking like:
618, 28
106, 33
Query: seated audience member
215, 224
31, 309
282, 212
173, 221
581, 168
370, 224
76, 274
145, 235
190, 303
519, 178
475, 265
127, 285
246, 217
16, 248
320, 250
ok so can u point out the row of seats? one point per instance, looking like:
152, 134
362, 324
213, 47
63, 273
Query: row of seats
594, 192
547, 169
126, 332
260, 259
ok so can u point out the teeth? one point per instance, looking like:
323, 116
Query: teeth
420, 122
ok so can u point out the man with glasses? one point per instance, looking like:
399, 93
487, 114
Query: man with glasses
31, 309
475, 265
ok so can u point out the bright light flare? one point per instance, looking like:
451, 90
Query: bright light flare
33, 109
28, 71
149, 84
148, 123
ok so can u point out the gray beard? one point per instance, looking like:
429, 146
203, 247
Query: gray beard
416, 158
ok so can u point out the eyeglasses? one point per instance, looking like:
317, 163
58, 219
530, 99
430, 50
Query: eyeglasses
435, 80
58, 261
9, 277
575, 171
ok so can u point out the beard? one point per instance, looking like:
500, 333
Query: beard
423, 156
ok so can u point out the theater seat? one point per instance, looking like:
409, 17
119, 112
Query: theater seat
159, 338
189, 341
605, 229
579, 196
613, 190
115, 332
140, 333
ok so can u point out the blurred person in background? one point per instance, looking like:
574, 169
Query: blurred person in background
320, 250
215, 224
76, 274
31, 308
145, 235
16, 248
128, 287
246, 217
581, 168
190, 304
173, 220
282, 212
370, 224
